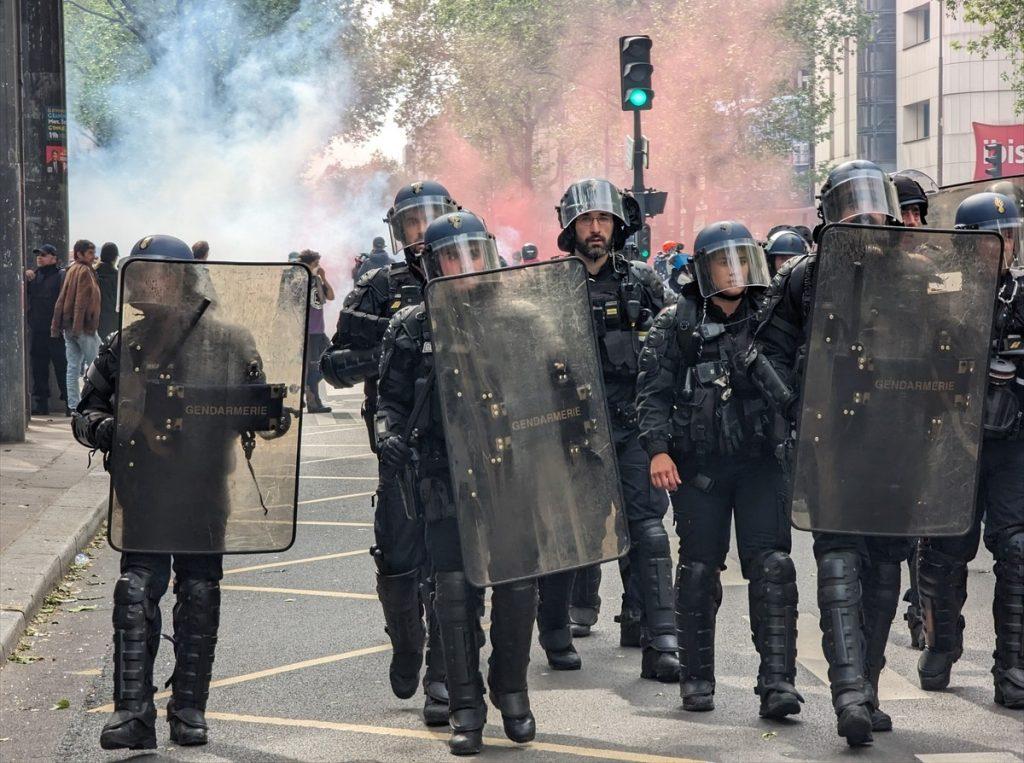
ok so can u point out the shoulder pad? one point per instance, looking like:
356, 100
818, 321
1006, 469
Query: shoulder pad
667, 317
643, 271
367, 278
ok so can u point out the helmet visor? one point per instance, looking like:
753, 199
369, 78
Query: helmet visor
466, 253
409, 220
590, 196
731, 267
865, 197
1010, 230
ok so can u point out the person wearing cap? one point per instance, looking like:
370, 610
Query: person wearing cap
377, 258
321, 295
106, 274
76, 316
42, 287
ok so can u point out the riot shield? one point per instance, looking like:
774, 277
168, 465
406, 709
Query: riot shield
942, 205
533, 468
210, 376
890, 423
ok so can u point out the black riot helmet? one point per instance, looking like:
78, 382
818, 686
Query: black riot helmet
995, 212
726, 258
859, 192
910, 193
162, 247
457, 243
596, 195
416, 206
529, 252
782, 245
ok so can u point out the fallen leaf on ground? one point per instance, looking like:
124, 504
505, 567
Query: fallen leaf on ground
62, 704
86, 608
769, 735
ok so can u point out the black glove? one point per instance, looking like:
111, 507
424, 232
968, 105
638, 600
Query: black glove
103, 435
394, 453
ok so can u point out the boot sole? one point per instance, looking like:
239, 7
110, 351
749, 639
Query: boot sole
856, 730
146, 744
701, 705
778, 710
933, 683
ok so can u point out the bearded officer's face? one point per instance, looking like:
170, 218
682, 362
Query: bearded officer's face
414, 225
594, 234
912, 216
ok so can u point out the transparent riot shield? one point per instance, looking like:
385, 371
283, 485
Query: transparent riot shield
942, 205
206, 450
890, 423
533, 468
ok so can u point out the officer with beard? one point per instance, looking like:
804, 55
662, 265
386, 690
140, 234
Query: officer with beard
626, 295
858, 575
410, 436
942, 562
698, 409
353, 356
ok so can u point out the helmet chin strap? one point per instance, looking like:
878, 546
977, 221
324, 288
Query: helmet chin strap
729, 298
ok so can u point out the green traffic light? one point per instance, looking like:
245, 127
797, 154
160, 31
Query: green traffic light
645, 254
638, 97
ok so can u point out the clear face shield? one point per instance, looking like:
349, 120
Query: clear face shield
466, 253
1011, 231
730, 268
153, 285
409, 220
865, 197
590, 196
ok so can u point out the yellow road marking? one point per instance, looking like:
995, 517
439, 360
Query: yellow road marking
272, 671
301, 592
88, 672
341, 458
236, 570
334, 498
440, 736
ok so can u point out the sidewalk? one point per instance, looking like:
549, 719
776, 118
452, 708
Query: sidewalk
51, 504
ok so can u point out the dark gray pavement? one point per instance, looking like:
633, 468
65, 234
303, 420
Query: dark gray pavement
301, 671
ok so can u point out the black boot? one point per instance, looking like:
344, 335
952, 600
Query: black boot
196, 620
942, 588
313, 402
513, 610
132, 725
1008, 610
773, 613
585, 604
553, 621
881, 598
842, 641
458, 621
403, 616
40, 406
660, 658
629, 621
698, 597
435, 690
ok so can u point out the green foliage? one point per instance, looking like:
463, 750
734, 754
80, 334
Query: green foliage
1004, 23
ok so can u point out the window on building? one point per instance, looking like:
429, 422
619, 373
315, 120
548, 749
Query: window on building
917, 26
917, 121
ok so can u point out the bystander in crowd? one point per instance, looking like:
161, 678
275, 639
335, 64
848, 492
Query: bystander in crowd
317, 339
42, 287
76, 316
106, 275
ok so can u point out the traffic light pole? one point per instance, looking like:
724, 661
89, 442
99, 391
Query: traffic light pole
638, 164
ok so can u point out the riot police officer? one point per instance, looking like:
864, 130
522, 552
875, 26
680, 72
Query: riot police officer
145, 576
706, 428
626, 295
858, 575
409, 428
913, 200
942, 562
529, 252
782, 246
353, 356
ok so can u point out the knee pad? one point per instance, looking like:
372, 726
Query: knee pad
651, 538
198, 604
450, 589
838, 578
774, 573
134, 604
1010, 547
696, 581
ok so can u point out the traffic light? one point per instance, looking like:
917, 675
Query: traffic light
635, 70
643, 243
994, 160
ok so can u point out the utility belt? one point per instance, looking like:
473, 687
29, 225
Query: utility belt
708, 422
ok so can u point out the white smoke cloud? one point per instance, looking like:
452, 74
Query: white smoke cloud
236, 159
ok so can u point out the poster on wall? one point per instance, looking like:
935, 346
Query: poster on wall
1009, 138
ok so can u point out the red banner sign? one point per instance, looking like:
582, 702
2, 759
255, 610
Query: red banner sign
1011, 143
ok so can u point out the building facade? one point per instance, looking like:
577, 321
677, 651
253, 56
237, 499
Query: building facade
912, 99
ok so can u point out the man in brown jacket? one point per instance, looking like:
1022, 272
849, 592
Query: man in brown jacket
77, 316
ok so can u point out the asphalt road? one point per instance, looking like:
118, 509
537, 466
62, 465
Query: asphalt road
301, 670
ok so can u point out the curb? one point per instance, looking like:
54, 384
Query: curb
36, 562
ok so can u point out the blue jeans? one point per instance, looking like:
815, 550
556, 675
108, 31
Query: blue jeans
81, 351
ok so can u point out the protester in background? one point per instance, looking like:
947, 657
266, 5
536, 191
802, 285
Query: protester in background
42, 287
106, 275
317, 342
377, 258
76, 316
201, 251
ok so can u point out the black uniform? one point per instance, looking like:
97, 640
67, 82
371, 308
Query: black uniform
625, 296
354, 355
695, 402
858, 575
406, 378
41, 296
942, 562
